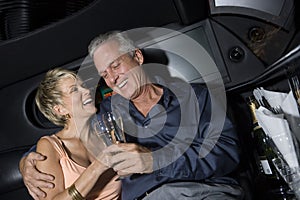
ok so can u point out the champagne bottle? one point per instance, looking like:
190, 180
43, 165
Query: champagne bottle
268, 182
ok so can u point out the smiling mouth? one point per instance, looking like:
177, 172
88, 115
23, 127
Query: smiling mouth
122, 83
88, 101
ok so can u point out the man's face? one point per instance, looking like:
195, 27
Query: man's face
121, 72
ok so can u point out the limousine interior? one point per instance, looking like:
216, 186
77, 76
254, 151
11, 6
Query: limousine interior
244, 43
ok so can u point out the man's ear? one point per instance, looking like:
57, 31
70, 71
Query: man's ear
60, 110
138, 56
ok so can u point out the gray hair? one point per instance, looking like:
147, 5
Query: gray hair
49, 94
126, 44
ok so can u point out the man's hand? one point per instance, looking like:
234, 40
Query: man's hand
33, 179
129, 158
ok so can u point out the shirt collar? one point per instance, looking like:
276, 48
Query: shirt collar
167, 94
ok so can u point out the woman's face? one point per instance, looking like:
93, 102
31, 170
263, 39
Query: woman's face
77, 99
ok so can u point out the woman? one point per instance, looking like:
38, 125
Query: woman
64, 100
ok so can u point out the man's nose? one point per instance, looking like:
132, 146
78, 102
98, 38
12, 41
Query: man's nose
112, 75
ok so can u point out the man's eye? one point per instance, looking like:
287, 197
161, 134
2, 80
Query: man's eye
115, 65
104, 75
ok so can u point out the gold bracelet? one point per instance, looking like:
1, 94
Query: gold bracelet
73, 192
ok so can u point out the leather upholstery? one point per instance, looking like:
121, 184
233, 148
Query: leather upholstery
11, 183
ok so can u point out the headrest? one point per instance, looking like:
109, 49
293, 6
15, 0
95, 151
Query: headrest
175, 65
34, 114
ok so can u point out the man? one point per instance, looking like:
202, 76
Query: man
168, 127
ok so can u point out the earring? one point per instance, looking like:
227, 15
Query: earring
67, 116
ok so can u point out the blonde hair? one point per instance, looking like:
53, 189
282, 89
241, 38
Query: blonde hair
48, 94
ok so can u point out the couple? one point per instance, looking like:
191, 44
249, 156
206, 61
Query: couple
161, 157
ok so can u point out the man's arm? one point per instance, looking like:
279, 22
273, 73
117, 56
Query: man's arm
33, 179
213, 152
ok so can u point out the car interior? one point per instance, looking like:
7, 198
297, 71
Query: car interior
244, 44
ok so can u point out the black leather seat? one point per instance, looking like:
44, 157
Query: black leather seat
11, 183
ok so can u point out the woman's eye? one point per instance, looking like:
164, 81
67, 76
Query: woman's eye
74, 89
84, 85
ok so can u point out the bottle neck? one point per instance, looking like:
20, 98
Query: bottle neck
253, 105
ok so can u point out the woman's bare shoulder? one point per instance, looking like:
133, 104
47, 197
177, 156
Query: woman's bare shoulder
45, 146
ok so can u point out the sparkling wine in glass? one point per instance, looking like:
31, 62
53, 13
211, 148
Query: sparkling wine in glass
101, 129
115, 123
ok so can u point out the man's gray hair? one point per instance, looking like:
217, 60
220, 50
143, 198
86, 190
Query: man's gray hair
126, 44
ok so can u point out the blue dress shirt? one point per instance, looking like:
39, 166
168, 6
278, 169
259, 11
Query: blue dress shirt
185, 141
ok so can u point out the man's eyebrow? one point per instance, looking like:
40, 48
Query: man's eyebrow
108, 65
102, 71
112, 62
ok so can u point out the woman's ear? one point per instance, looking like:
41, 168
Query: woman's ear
138, 56
60, 110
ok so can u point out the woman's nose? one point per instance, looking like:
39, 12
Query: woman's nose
85, 90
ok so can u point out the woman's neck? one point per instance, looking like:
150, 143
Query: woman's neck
74, 129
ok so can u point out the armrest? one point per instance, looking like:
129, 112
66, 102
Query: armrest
10, 176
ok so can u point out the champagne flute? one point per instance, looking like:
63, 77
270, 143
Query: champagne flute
295, 87
114, 121
103, 132
96, 138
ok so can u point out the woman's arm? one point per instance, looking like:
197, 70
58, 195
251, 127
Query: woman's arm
51, 165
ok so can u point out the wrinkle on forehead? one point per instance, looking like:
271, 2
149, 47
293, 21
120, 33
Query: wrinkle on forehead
105, 54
